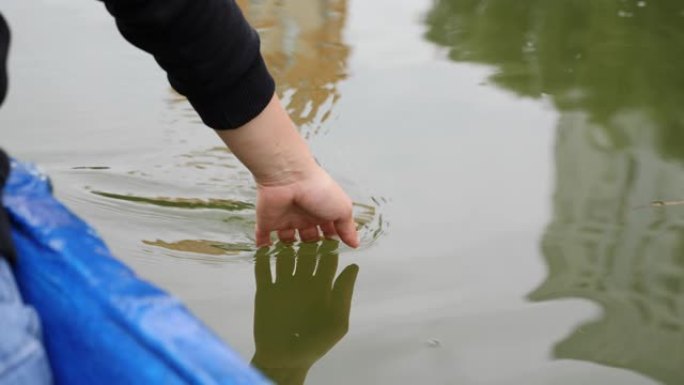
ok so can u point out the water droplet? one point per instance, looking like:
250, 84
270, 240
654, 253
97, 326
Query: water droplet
433, 343
641, 4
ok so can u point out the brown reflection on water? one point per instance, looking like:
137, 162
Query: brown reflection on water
612, 69
303, 45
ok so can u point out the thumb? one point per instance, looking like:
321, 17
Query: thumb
346, 229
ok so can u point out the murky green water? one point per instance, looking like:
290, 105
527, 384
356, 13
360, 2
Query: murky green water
518, 168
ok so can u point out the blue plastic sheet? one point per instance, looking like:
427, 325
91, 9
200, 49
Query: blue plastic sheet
101, 323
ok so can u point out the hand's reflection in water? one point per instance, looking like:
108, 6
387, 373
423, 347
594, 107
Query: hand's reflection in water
302, 313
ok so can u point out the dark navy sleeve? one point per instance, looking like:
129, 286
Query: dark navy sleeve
209, 51
4, 47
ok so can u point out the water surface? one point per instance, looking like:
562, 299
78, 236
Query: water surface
517, 168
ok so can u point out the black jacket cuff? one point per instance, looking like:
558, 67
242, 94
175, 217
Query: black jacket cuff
238, 104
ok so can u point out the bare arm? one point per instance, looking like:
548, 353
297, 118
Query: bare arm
294, 192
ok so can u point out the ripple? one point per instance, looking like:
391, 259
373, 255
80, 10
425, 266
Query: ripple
370, 221
193, 223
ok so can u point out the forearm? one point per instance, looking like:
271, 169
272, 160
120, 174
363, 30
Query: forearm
271, 147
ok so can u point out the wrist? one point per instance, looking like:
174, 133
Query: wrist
286, 171
271, 148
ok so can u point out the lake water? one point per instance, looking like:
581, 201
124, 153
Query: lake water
518, 169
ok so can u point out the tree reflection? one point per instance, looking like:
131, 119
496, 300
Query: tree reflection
613, 71
600, 57
303, 313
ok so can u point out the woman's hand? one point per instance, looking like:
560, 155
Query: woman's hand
310, 205
295, 195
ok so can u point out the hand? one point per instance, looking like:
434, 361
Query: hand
303, 314
294, 193
314, 201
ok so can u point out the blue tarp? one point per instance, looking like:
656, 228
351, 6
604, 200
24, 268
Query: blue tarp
101, 323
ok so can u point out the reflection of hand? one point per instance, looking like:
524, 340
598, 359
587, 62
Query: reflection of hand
301, 316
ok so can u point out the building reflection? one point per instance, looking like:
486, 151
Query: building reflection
612, 70
303, 45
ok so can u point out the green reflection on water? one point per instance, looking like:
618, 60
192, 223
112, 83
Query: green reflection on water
613, 70
186, 203
602, 57
300, 310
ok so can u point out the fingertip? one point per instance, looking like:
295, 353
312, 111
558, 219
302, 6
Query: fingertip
287, 236
350, 238
260, 243
347, 232
262, 238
